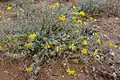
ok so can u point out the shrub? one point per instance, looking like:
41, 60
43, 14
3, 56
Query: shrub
58, 31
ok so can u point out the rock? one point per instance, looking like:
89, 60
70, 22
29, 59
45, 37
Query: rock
112, 53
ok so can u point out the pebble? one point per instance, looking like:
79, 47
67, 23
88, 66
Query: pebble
64, 64
62, 76
114, 74
116, 18
112, 53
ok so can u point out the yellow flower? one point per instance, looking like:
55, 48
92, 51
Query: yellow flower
55, 5
29, 44
84, 51
82, 14
47, 46
1, 48
85, 43
32, 36
72, 46
68, 36
71, 72
94, 20
29, 69
58, 49
111, 44
74, 7
62, 18
78, 21
76, 13
85, 23
95, 34
74, 17
99, 41
81, 37
95, 53
9, 8
91, 18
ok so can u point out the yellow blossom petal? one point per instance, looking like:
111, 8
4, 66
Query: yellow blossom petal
91, 18
99, 41
55, 5
47, 46
9, 8
82, 14
94, 20
76, 13
1, 48
58, 49
29, 69
74, 7
74, 18
62, 18
71, 72
68, 36
32, 36
111, 44
95, 53
78, 21
72, 46
29, 44
84, 51
81, 37
85, 43
96, 35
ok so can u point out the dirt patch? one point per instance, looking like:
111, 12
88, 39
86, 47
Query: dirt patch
11, 69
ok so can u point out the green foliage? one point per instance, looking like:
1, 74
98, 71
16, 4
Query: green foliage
91, 6
47, 33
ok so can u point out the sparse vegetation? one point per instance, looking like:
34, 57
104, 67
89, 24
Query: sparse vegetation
64, 31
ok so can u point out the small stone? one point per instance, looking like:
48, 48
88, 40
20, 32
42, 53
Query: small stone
112, 53
93, 68
114, 74
116, 18
64, 64
36, 70
105, 35
98, 57
9, 19
112, 67
62, 76
6, 72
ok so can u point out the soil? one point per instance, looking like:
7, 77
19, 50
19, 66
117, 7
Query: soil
106, 69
